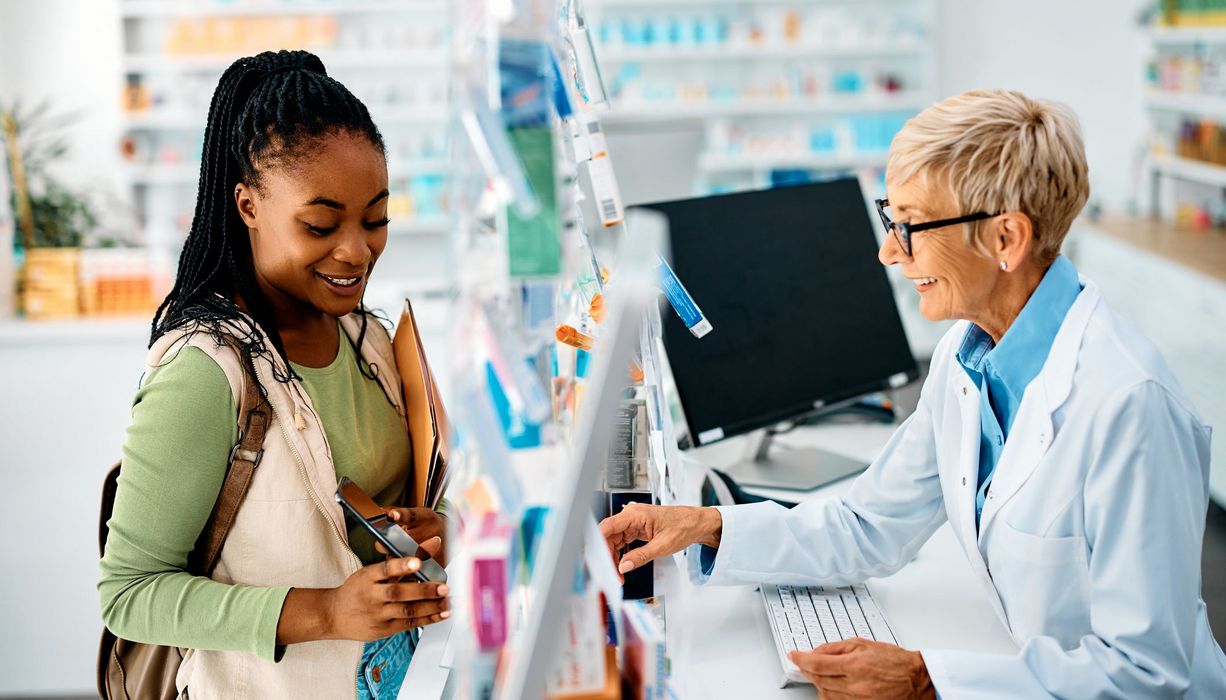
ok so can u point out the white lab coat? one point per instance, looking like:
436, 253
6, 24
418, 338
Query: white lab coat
1090, 541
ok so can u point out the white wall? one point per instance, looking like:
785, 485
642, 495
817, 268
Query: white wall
70, 52
1087, 54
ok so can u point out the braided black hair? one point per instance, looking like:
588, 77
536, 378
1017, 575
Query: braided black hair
267, 111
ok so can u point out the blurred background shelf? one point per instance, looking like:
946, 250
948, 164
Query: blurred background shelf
1189, 170
717, 162
767, 107
333, 59
1201, 106
758, 52
1183, 36
139, 9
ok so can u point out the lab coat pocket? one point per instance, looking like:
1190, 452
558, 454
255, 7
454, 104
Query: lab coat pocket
1044, 584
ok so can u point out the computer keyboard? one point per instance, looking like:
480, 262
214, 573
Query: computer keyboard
806, 617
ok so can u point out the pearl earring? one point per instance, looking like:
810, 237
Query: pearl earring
1004, 265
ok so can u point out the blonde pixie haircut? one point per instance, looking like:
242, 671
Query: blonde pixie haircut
999, 151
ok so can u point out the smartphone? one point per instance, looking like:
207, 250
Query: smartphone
362, 508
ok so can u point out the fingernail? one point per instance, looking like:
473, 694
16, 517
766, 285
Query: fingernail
442, 590
625, 567
394, 515
445, 614
414, 565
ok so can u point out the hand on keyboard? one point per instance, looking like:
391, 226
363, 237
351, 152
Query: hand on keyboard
861, 668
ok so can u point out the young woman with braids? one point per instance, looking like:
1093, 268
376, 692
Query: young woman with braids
290, 218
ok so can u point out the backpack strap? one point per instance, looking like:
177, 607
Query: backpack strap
255, 414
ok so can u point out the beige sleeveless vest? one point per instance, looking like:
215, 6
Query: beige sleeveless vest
289, 530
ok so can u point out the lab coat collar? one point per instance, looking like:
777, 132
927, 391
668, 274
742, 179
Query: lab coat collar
1033, 432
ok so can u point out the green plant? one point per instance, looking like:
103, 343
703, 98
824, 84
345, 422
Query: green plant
48, 213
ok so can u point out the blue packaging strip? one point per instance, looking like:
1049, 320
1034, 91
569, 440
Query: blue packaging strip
681, 300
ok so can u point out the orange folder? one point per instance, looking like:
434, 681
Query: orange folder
428, 427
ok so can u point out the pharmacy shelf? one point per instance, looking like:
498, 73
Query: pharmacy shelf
906, 102
143, 63
422, 166
423, 226
656, 4
164, 173
140, 9
188, 173
1189, 170
721, 162
1183, 36
743, 53
182, 121
1203, 106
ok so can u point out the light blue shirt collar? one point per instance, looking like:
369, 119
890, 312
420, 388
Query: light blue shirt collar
1010, 366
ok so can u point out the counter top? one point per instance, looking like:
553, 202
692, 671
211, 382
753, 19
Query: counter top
1203, 251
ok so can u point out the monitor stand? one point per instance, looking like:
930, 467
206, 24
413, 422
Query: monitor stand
799, 469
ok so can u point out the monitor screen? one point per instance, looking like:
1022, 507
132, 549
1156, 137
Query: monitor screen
803, 314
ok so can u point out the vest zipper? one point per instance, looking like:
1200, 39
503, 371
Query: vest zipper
302, 472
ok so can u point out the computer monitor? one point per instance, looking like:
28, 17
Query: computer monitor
803, 317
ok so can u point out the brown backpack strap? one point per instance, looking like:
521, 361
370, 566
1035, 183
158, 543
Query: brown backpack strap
254, 416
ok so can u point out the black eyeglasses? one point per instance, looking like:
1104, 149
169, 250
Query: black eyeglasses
902, 231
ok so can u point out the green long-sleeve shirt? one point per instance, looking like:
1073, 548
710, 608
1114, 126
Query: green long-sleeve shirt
174, 462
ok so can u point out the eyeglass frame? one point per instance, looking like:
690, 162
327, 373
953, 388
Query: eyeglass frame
904, 238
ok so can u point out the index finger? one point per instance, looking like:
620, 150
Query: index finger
623, 528
393, 569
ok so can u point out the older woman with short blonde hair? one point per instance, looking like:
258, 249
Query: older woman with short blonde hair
1049, 434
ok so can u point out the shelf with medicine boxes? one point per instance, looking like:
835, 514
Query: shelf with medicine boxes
721, 162
333, 59
1190, 104
390, 53
1187, 36
556, 391
766, 107
759, 53
1185, 102
764, 67
639, 4
1190, 169
195, 8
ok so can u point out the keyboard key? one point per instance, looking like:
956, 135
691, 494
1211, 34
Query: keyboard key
841, 618
858, 623
830, 630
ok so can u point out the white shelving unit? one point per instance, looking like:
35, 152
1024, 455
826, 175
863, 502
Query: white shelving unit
153, 63
761, 78
392, 53
831, 106
761, 53
1189, 170
713, 162
1187, 36
266, 8
1201, 106
1173, 177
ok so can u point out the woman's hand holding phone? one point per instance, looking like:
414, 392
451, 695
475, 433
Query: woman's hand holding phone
373, 603
423, 525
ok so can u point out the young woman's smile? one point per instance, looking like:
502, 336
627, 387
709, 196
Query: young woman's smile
316, 232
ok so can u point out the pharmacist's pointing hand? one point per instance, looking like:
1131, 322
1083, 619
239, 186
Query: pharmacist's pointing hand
664, 529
